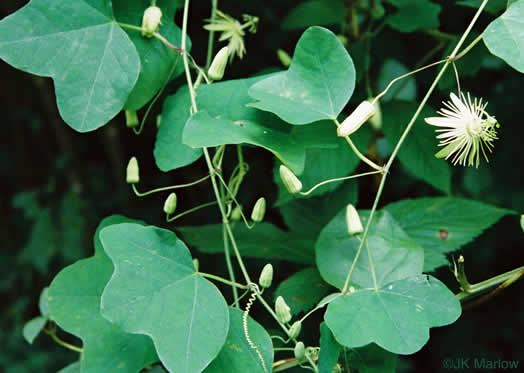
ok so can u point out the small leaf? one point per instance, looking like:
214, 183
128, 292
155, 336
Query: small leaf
417, 151
313, 13
373, 359
397, 316
414, 15
155, 291
237, 355
504, 36
395, 255
33, 327
42, 302
329, 350
302, 290
443, 224
93, 63
317, 85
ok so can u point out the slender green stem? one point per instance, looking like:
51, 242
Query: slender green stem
199, 207
401, 141
229, 265
468, 48
163, 189
338, 179
62, 343
223, 280
211, 39
283, 349
232, 196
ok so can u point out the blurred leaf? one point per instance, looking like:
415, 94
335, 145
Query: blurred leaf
396, 316
72, 226
405, 89
503, 36
493, 6
314, 12
154, 273
93, 63
263, 241
73, 368
373, 359
329, 350
237, 355
417, 151
317, 85
395, 255
443, 224
33, 327
413, 15
42, 302
302, 290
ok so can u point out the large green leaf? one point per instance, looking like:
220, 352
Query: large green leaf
92, 61
396, 316
158, 63
317, 85
329, 350
314, 13
443, 224
504, 37
237, 355
74, 304
263, 241
395, 255
303, 290
373, 359
155, 291
417, 151
414, 15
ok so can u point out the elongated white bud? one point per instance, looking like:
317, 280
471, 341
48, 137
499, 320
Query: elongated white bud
300, 350
132, 174
353, 220
257, 215
266, 276
291, 182
294, 331
283, 57
218, 66
170, 204
376, 120
282, 310
357, 118
151, 21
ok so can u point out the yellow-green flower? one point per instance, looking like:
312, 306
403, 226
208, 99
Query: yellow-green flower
467, 130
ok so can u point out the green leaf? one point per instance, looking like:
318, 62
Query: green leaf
302, 290
373, 359
155, 291
73, 368
443, 224
317, 85
504, 36
263, 241
413, 15
397, 316
493, 6
405, 89
314, 12
329, 350
237, 355
42, 302
74, 304
417, 151
93, 63
33, 327
158, 63
395, 255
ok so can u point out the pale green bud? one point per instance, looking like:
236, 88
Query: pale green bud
376, 120
300, 350
158, 121
170, 204
266, 276
236, 214
353, 222
151, 20
522, 222
196, 264
132, 174
283, 57
218, 66
131, 118
294, 331
291, 182
257, 215
357, 118
282, 310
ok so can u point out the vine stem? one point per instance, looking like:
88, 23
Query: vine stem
211, 40
399, 144
223, 280
210, 167
171, 187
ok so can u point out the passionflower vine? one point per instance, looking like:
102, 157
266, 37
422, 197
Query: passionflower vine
467, 130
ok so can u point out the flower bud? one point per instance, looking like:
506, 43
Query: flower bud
357, 118
132, 175
291, 182
266, 276
151, 21
294, 331
376, 120
353, 220
283, 57
522, 222
236, 214
300, 350
218, 66
282, 310
158, 121
170, 204
131, 118
257, 215
196, 264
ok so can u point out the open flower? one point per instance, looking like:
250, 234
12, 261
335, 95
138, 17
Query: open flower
467, 130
